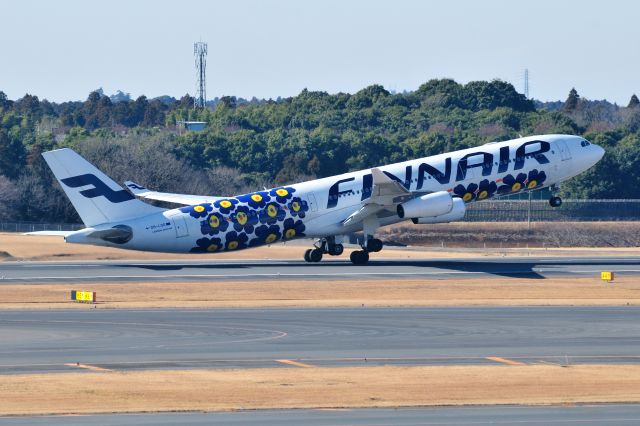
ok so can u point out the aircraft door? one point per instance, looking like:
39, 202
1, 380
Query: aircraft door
565, 154
311, 199
180, 225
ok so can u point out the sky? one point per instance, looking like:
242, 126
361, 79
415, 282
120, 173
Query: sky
62, 50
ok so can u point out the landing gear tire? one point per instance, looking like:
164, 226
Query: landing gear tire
315, 255
359, 257
555, 201
336, 249
307, 255
374, 245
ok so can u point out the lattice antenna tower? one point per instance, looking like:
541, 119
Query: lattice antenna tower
200, 52
526, 83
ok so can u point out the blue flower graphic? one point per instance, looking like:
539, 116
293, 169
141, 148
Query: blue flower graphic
486, 189
272, 213
244, 219
257, 200
198, 211
266, 235
282, 194
225, 206
293, 229
207, 245
298, 207
511, 184
536, 178
235, 241
213, 224
467, 193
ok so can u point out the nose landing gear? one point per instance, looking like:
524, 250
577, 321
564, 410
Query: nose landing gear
555, 201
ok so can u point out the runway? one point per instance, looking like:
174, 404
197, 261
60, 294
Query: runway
50, 341
330, 269
610, 414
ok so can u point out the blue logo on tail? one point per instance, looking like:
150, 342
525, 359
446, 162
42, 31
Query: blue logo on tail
99, 188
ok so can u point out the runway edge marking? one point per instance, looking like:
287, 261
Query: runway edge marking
87, 367
294, 363
504, 360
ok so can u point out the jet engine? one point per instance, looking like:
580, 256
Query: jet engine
435, 204
457, 213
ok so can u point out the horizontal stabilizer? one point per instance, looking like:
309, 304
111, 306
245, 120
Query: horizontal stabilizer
50, 233
184, 199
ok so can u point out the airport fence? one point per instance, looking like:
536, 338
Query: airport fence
486, 211
35, 226
541, 211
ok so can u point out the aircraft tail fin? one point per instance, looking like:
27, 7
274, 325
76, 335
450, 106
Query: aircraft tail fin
96, 197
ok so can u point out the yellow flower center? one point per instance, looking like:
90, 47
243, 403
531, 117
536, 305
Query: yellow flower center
482, 195
295, 206
241, 218
282, 192
256, 197
212, 247
199, 209
467, 197
225, 203
214, 222
290, 233
516, 186
232, 245
272, 211
270, 238
532, 184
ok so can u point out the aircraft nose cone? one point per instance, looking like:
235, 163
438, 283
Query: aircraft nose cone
598, 153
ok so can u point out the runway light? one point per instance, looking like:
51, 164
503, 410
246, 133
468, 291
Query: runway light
607, 276
83, 296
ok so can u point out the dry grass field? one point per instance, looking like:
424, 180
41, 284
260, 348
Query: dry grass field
349, 387
315, 293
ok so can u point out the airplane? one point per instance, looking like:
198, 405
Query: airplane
426, 191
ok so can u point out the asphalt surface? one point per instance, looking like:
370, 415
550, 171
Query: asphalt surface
53, 341
501, 415
331, 269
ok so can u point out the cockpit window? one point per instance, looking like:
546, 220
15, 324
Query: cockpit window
584, 143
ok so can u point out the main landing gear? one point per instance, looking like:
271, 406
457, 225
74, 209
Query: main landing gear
329, 246
360, 257
325, 246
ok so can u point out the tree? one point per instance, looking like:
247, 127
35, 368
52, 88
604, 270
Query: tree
572, 100
634, 101
12, 155
5, 103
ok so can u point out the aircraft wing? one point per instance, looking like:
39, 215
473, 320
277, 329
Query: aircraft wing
385, 194
188, 200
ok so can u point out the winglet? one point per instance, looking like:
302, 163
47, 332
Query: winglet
135, 188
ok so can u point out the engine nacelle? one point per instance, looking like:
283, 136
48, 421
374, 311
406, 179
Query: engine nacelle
436, 204
457, 213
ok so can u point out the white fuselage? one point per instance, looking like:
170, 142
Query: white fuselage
472, 174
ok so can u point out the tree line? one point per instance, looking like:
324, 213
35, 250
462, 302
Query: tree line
248, 145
